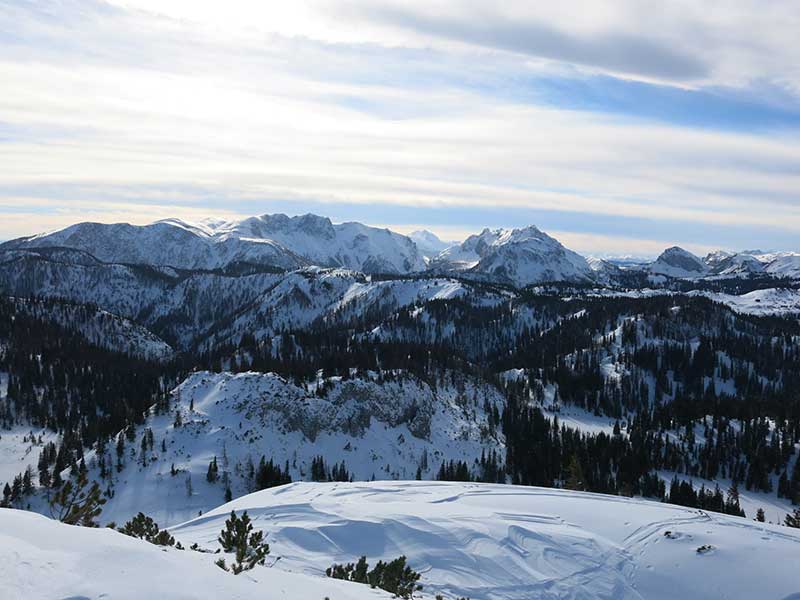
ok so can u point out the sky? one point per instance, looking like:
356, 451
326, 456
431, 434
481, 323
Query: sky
620, 127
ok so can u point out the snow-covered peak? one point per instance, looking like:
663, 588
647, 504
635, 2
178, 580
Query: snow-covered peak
280, 225
517, 256
467, 254
717, 256
677, 262
486, 238
206, 227
423, 235
428, 242
597, 264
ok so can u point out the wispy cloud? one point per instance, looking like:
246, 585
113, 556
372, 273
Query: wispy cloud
621, 52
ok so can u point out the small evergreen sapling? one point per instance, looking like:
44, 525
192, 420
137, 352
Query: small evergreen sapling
249, 546
143, 527
395, 576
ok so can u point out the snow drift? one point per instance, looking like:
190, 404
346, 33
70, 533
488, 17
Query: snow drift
499, 542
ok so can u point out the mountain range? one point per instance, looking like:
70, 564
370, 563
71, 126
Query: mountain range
517, 257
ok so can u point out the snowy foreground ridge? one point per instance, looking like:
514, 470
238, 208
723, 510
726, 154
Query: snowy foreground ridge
487, 542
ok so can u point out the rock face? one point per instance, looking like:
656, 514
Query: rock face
388, 425
274, 240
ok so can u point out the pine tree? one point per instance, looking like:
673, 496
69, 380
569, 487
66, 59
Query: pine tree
74, 504
793, 519
213, 471
732, 506
575, 480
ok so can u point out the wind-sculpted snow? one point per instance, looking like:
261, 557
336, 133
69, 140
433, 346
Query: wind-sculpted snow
42, 559
491, 542
382, 427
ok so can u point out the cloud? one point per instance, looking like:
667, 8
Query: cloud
138, 114
618, 52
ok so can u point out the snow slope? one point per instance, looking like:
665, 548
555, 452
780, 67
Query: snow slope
20, 447
782, 264
41, 559
491, 542
771, 301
